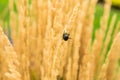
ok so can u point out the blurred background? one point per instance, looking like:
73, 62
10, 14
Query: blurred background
5, 14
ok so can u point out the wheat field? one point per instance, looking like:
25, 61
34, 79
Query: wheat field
38, 50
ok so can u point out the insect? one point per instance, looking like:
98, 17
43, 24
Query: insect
66, 36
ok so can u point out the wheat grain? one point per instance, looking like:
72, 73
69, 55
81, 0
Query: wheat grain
10, 65
113, 57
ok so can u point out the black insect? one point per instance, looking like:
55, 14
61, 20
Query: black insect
66, 36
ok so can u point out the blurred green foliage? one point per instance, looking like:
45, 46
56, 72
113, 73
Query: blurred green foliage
98, 15
4, 10
5, 16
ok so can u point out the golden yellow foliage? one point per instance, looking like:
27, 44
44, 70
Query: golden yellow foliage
39, 51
